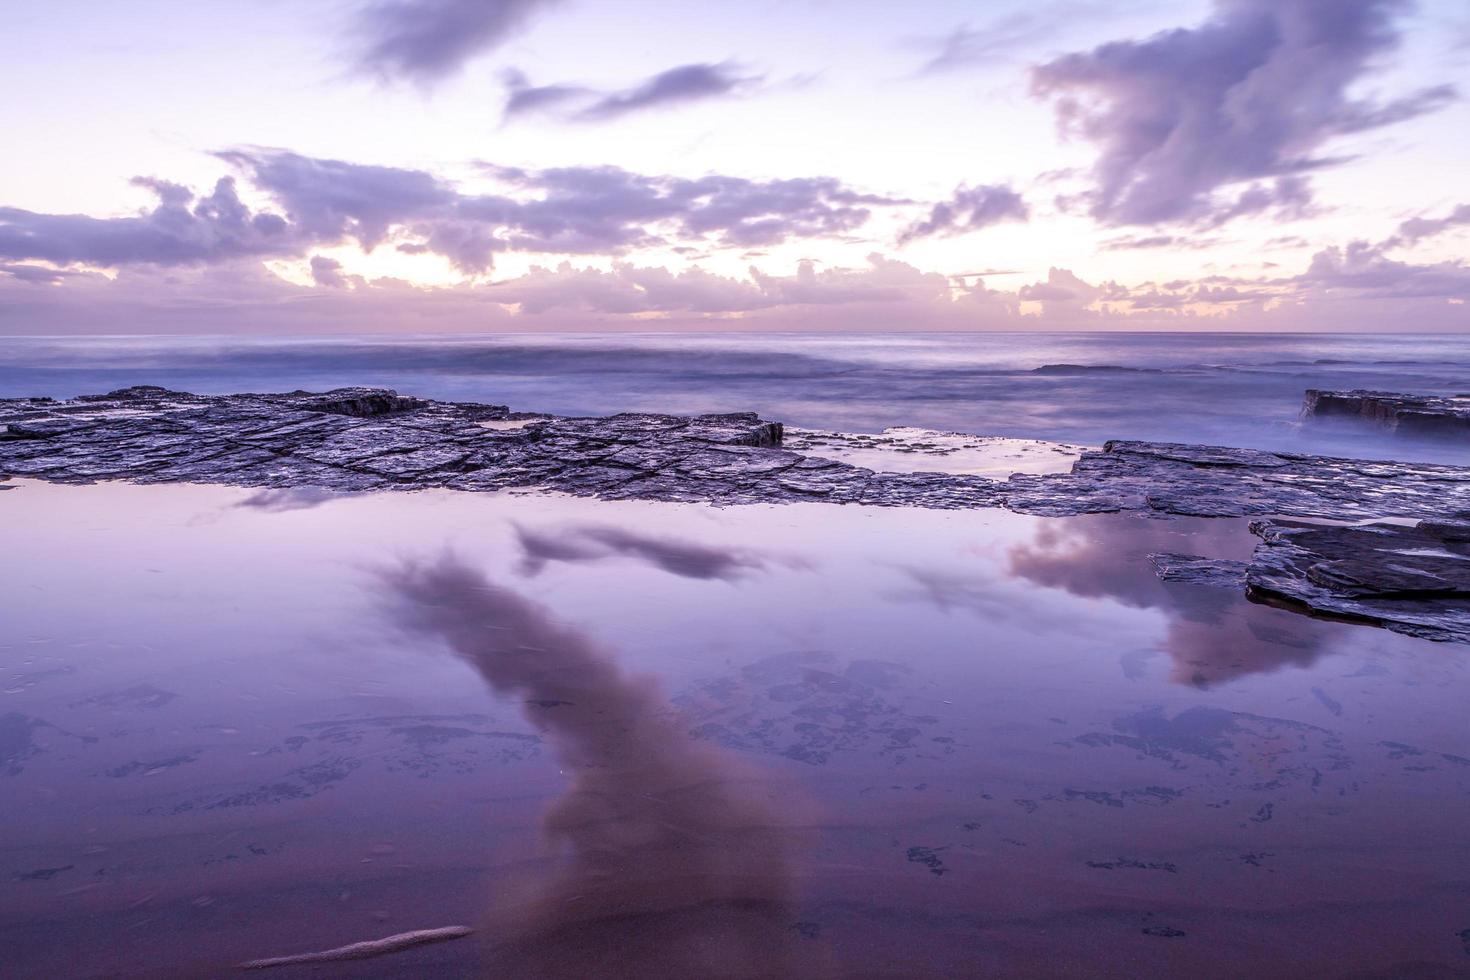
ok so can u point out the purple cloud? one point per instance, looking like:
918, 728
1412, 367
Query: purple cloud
1004, 38
971, 209
426, 41
1362, 270
524, 99
1249, 97
579, 103
332, 200
178, 230
576, 210
327, 272
687, 83
1416, 229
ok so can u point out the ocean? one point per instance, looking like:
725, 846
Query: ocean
1221, 389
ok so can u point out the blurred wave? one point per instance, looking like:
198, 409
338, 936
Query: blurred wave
1233, 389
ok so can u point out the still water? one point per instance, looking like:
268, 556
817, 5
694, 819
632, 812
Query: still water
638, 739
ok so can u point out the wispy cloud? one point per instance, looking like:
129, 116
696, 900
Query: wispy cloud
678, 86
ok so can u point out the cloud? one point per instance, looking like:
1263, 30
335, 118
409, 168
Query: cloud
525, 99
1360, 286
330, 200
1002, 39
328, 272
36, 273
583, 104
1363, 270
629, 289
426, 41
1250, 97
599, 209
971, 209
1415, 230
178, 230
568, 210
687, 83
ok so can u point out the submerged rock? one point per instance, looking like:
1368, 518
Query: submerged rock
1196, 570
1411, 415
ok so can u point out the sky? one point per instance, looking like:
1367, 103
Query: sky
321, 166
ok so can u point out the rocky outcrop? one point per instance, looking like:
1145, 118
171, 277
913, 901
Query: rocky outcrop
375, 439
1422, 416
1410, 579
1196, 570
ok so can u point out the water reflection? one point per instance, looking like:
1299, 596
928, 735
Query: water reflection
596, 542
289, 498
669, 858
1214, 634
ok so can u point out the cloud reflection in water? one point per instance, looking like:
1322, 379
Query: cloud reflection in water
1214, 634
671, 859
595, 542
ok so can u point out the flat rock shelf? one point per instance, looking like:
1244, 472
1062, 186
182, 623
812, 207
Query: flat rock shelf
1423, 416
359, 439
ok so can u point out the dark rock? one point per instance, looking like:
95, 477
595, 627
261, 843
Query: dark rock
1412, 415
369, 439
1195, 570
357, 402
1409, 579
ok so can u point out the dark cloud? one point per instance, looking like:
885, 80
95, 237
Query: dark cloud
580, 103
328, 272
687, 83
1417, 229
38, 274
596, 542
329, 200
971, 209
599, 209
426, 41
178, 230
524, 99
658, 835
577, 210
1249, 97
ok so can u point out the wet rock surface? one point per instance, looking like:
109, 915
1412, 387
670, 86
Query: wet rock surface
374, 439
1411, 415
1197, 570
1411, 579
